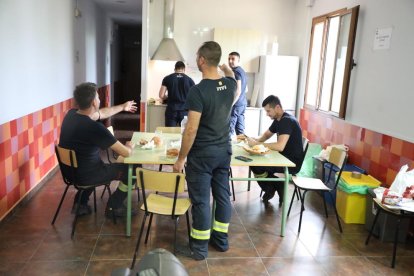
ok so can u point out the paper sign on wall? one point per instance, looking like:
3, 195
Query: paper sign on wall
382, 38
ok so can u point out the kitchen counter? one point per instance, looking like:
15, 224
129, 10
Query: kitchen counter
156, 117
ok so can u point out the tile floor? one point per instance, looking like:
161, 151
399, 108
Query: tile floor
30, 245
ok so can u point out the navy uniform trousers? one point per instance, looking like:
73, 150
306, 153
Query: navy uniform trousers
208, 169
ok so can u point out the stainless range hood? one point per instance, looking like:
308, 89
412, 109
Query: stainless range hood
168, 50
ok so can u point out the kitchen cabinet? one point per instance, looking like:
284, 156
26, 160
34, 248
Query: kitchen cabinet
155, 116
248, 43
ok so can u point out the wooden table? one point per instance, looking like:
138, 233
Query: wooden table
157, 156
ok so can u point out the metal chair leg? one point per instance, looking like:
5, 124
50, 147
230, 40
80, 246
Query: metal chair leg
76, 214
103, 191
188, 225
248, 182
291, 201
324, 203
394, 251
373, 225
302, 208
149, 228
175, 235
232, 184
60, 204
336, 212
94, 198
139, 240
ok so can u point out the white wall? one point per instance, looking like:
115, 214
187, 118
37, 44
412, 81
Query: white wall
94, 30
381, 94
45, 51
36, 55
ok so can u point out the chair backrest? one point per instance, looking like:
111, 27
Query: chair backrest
111, 130
338, 158
67, 164
164, 182
168, 129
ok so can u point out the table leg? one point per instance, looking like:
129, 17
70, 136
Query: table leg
129, 205
284, 206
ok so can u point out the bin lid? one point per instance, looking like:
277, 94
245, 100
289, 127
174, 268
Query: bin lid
365, 180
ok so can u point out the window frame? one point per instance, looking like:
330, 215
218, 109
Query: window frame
349, 61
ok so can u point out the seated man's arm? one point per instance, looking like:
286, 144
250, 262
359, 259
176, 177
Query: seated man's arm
280, 144
122, 150
107, 112
277, 146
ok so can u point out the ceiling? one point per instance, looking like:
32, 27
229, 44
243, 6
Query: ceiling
123, 12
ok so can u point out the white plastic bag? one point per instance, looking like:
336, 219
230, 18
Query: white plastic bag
403, 180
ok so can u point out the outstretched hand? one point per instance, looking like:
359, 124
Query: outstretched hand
130, 106
251, 141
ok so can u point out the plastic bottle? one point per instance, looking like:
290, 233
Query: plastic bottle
183, 124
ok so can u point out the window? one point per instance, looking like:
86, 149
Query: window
331, 61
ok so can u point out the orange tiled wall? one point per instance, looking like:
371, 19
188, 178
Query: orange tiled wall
381, 155
27, 151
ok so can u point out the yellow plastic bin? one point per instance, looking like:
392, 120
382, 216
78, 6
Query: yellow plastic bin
351, 196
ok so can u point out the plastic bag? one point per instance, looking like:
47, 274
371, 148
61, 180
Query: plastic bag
404, 179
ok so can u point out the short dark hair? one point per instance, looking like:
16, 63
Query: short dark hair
272, 101
234, 54
179, 65
211, 52
84, 94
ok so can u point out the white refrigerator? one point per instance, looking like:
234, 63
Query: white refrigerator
277, 75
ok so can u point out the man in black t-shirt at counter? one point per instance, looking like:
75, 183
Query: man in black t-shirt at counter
175, 88
82, 133
289, 144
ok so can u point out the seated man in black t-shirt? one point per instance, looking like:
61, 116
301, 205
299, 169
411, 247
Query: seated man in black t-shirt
289, 144
81, 132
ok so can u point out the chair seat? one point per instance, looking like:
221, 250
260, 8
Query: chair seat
310, 183
163, 205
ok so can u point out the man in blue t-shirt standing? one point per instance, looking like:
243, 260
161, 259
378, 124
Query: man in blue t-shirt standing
239, 107
175, 88
206, 145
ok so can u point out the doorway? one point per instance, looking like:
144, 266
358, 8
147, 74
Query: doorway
127, 78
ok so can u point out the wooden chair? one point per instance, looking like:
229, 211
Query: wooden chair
337, 158
399, 214
68, 165
166, 204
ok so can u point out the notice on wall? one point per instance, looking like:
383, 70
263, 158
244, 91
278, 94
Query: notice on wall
382, 38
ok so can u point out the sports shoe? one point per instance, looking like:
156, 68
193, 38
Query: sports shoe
83, 209
119, 212
187, 252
